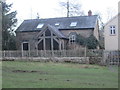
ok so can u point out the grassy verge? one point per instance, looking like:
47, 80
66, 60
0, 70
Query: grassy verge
0, 74
56, 75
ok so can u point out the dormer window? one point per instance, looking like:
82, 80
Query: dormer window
40, 25
57, 24
73, 24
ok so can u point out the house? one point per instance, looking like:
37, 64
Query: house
55, 33
112, 34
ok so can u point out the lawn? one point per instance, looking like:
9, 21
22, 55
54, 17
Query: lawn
56, 75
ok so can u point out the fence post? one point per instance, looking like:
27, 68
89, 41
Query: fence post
10, 54
85, 52
37, 52
52, 53
1, 55
118, 57
104, 57
22, 53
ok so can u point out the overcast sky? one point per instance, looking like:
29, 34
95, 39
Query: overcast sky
28, 9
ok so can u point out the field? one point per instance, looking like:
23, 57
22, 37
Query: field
56, 75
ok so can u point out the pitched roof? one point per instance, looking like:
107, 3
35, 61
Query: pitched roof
54, 30
57, 32
60, 23
112, 19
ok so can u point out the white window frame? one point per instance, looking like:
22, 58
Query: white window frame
73, 37
73, 24
57, 24
112, 30
40, 25
28, 45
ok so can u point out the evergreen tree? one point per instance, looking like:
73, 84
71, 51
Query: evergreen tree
8, 23
92, 42
80, 40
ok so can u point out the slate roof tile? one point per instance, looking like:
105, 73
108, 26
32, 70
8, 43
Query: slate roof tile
64, 23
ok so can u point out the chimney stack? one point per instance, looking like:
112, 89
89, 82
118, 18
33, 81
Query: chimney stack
119, 7
89, 13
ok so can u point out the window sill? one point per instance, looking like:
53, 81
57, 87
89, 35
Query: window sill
112, 34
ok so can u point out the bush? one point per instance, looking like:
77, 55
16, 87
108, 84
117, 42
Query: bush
91, 42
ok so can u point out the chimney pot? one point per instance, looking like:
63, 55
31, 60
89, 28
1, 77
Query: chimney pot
89, 13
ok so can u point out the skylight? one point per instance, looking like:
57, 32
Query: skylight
40, 25
73, 24
57, 24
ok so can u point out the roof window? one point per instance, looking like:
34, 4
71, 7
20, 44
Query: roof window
57, 24
40, 25
73, 24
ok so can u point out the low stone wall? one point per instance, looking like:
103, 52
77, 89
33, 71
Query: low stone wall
80, 60
96, 60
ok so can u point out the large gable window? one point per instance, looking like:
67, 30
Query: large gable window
40, 45
47, 32
112, 30
40, 25
73, 24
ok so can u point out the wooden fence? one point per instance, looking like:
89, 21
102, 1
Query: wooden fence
111, 57
47, 53
55, 53
95, 56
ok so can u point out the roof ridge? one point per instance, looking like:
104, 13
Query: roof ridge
59, 17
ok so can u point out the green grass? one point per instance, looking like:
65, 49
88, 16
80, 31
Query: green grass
0, 75
56, 75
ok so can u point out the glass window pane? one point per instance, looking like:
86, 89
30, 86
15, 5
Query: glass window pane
73, 24
25, 46
40, 25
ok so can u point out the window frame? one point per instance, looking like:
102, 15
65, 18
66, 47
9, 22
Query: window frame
73, 24
40, 25
112, 30
23, 46
72, 38
57, 24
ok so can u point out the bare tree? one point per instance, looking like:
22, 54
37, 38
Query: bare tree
73, 9
101, 29
38, 16
101, 23
110, 13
